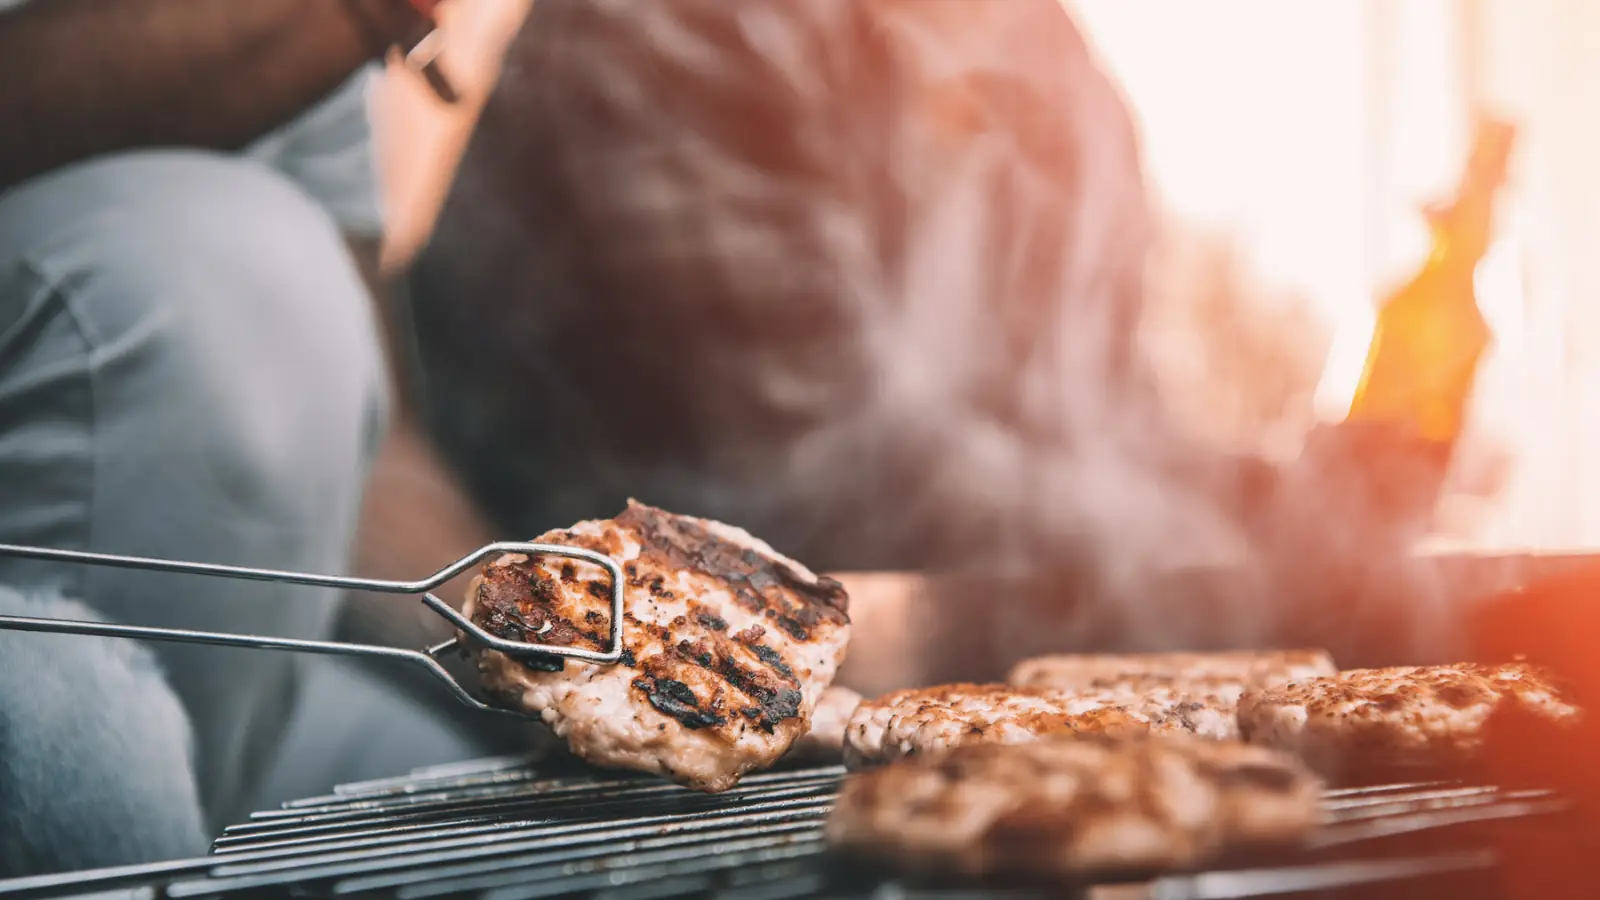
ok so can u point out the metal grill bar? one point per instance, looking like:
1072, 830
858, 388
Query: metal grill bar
1304, 879
563, 822
552, 793
499, 830
529, 811
457, 849
639, 843
1429, 815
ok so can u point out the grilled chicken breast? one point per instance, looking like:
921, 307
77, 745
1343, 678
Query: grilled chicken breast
1087, 671
728, 645
1068, 806
1371, 722
933, 720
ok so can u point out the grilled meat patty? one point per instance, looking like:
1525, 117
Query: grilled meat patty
1373, 721
1075, 805
933, 720
1087, 671
728, 645
825, 741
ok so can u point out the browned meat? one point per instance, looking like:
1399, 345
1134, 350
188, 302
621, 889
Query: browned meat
932, 720
1377, 720
728, 645
1080, 671
1072, 805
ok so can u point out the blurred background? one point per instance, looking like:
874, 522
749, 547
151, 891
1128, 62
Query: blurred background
1293, 145
1290, 147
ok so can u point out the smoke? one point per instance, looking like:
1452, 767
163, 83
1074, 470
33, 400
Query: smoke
865, 277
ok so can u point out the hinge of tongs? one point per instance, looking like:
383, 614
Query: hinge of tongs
427, 658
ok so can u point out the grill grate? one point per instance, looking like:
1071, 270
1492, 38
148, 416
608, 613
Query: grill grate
499, 830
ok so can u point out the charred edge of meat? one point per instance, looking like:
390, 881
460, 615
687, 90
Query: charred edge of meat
677, 700
683, 543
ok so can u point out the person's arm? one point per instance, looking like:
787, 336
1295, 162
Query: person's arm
79, 78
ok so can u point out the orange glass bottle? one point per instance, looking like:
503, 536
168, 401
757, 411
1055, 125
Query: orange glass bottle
1430, 335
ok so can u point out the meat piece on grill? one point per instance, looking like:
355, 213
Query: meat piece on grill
1086, 671
1067, 806
933, 720
1378, 723
824, 743
728, 645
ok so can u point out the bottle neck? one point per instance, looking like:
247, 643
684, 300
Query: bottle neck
1460, 236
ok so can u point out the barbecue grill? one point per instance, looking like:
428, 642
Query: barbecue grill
519, 828
511, 829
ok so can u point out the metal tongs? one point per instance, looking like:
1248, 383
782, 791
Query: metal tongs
427, 658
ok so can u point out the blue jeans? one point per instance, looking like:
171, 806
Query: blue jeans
189, 369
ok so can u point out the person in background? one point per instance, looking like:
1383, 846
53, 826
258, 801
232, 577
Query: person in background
865, 277
189, 369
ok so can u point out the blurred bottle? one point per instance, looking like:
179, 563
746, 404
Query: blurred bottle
1430, 336
1385, 464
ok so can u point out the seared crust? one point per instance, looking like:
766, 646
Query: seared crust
933, 720
1089, 671
1373, 721
727, 645
1068, 806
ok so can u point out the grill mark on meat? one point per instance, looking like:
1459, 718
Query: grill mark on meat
772, 659
518, 602
676, 699
683, 544
775, 700
775, 693
709, 620
518, 605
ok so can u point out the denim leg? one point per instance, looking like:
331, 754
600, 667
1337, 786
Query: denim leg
189, 368
95, 752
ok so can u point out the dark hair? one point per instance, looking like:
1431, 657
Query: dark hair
845, 272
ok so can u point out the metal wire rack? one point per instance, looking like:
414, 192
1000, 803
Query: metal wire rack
498, 829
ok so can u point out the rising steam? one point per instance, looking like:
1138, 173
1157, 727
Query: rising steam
865, 278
